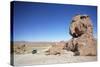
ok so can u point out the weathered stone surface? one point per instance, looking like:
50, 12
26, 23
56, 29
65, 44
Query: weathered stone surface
82, 42
56, 49
80, 24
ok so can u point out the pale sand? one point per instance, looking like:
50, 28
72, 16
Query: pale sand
37, 59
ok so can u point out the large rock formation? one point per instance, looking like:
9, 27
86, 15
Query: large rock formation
82, 42
81, 24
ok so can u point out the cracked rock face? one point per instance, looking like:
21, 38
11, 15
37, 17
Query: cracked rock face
80, 24
82, 42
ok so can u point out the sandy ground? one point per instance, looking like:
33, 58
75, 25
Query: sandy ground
37, 59
40, 57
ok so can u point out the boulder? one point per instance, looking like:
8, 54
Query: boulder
56, 49
82, 42
80, 24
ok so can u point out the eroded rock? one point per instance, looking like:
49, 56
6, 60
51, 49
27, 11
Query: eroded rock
56, 49
80, 24
82, 42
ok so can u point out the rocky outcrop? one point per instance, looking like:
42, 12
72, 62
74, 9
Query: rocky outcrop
56, 49
81, 24
82, 42
20, 49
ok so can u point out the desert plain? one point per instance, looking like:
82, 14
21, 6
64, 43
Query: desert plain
23, 55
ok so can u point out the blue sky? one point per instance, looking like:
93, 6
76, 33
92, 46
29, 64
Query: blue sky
47, 22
